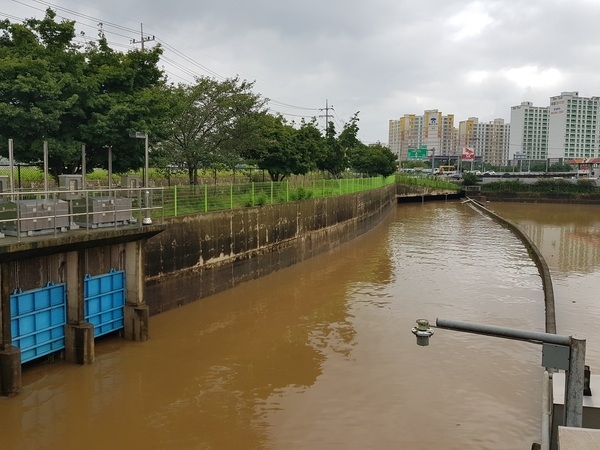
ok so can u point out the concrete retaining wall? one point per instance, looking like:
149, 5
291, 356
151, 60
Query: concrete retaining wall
540, 262
200, 255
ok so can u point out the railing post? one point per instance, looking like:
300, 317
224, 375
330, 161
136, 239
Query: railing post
174, 200
205, 198
574, 384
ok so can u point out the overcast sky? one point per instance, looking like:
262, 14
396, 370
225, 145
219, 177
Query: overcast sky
383, 58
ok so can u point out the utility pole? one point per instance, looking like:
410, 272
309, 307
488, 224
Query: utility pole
142, 37
326, 109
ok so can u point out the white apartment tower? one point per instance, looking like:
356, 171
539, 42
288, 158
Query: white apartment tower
529, 127
573, 126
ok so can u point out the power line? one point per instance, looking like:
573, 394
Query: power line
107, 27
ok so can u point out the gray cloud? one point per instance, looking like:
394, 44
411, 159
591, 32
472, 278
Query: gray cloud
383, 58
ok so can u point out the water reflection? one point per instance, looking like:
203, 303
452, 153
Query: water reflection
319, 355
567, 236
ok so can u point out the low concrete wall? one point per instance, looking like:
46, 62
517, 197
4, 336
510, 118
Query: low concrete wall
537, 197
540, 262
200, 255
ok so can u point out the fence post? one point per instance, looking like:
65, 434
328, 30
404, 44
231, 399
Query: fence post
205, 197
252, 194
231, 196
175, 199
271, 192
287, 190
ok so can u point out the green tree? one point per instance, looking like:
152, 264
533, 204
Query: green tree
53, 90
126, 95
333, 159
281, 148
40, 87
205, 122
374, 160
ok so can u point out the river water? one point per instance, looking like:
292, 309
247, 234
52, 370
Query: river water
320, 355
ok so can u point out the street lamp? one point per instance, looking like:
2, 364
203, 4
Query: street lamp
140, 135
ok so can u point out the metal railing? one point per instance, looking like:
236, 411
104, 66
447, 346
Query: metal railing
33, 213
29, 213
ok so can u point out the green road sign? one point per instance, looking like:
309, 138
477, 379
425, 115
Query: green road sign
418, 153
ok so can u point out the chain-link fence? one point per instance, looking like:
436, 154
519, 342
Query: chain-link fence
24, 177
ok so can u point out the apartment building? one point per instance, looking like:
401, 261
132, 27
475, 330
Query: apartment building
433, 130
490, 141
529, 132
573, 126
568, 129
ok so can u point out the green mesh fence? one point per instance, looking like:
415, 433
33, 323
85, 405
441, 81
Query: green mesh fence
179, 200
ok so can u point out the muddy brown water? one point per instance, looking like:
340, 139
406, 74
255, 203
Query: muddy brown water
320, 355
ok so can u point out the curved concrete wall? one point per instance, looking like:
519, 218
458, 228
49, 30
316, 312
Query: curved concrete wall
540, 262
199, 255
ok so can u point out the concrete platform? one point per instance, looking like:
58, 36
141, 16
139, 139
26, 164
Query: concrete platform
578, 438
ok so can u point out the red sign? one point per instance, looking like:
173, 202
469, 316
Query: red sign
468, 154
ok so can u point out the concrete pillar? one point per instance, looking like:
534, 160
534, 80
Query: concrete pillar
136, 322
134, 272
10, 371
75, 274
10, 356
7, 277
80, 339
79, 335
136, 312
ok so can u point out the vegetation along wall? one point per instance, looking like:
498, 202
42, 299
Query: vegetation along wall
199, 255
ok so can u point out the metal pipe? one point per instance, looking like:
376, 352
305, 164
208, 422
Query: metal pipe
574, 376
11, 158
110, 172
46, 188
511, 333
83, 166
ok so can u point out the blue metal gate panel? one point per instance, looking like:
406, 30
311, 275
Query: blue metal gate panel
37, 320
104, 299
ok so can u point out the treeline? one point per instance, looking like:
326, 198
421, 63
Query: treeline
69, 95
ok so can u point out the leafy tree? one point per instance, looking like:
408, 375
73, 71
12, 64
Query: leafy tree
333, 159
374, 160
53, 90
40, 86
205, 120
126, 95
269, 144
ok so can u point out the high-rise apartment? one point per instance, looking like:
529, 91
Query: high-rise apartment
573, 126
490, 141
433, 130
528, 132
